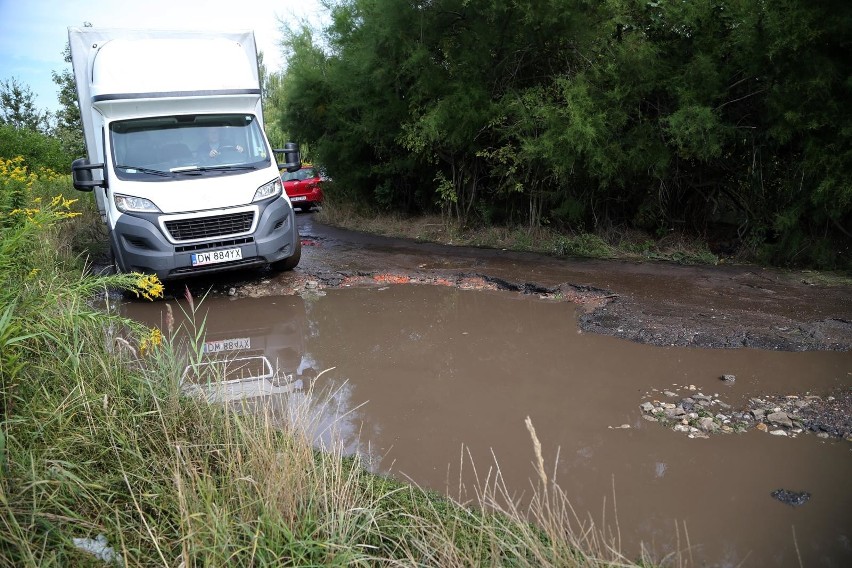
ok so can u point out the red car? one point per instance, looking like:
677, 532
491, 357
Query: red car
303, 187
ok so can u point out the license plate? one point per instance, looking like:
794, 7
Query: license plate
233, 344
299, 198
216, 256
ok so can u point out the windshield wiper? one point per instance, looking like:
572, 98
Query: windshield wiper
225, 168
145, 170
186, 170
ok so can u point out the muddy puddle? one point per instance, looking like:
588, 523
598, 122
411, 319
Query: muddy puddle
432, 384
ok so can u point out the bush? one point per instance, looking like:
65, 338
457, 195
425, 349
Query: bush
39, 150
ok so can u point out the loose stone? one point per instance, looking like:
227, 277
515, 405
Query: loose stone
780, 419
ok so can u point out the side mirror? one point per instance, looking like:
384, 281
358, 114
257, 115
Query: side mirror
292, 159
81, 175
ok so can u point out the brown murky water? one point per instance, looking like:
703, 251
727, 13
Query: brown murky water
422, 372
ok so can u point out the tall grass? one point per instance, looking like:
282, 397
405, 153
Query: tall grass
99, 444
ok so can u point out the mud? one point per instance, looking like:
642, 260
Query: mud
655, 303
652, 302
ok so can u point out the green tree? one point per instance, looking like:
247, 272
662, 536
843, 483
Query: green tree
17, 107
69, 127
718, 118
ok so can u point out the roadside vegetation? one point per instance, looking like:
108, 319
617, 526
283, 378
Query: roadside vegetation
624, 244
105, 461
722, 121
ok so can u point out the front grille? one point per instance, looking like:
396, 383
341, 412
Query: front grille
210, 227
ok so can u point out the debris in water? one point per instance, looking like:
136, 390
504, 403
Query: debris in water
792, 498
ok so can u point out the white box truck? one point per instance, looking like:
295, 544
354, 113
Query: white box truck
183, 174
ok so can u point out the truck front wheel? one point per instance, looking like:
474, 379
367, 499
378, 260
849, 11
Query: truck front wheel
114, 263
290, 262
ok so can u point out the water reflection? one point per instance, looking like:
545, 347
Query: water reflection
253, 355
420, 372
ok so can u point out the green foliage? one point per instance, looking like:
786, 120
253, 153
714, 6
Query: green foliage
672, 115
586, 245
69, 126
17, 107
39, 150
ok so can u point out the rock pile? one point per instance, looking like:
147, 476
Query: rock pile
699, 415
696, 415
827, 417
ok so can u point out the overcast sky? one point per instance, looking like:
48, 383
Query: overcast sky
33, 33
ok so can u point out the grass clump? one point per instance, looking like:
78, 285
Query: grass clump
100, 444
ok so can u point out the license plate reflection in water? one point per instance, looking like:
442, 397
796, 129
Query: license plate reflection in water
235, 344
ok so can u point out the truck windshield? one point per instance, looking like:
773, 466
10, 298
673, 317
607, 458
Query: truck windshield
147, 148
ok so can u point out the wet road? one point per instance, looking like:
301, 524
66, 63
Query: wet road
650, 302
429, 381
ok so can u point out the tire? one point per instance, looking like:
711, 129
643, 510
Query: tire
290, 262
113, 259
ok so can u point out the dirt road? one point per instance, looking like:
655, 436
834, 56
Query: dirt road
652, 302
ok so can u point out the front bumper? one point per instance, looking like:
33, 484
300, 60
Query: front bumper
140, 245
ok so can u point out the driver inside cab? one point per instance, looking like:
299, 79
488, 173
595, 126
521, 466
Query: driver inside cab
215, 143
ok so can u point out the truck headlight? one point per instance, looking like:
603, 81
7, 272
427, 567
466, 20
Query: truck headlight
268, 190
125, 203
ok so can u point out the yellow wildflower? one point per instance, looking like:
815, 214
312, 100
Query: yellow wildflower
149, 287
152, 340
